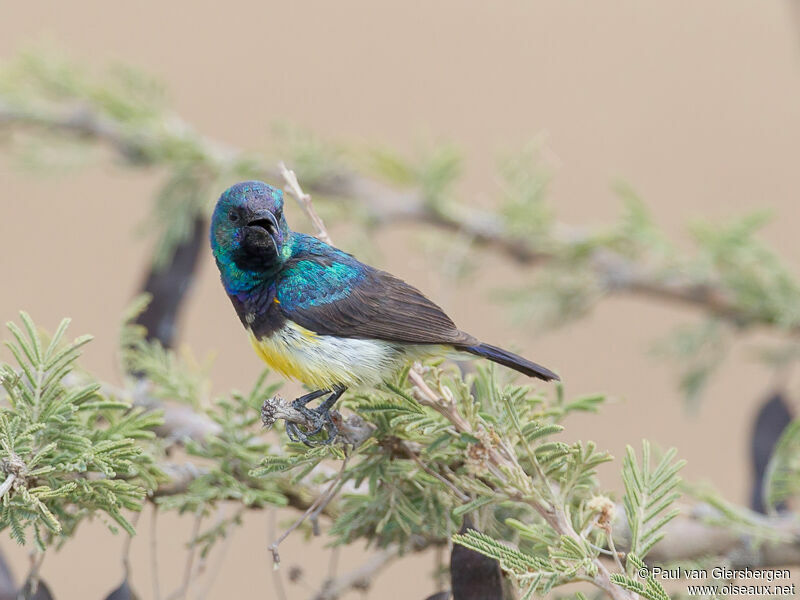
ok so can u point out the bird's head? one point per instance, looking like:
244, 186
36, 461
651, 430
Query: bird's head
248, 234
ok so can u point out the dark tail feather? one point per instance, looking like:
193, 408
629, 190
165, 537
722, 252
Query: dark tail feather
511, 360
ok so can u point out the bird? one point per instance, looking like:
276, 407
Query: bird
318, 315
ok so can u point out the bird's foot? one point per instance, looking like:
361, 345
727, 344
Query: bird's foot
317, 419
297, 434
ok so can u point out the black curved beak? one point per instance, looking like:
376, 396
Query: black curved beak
265, 220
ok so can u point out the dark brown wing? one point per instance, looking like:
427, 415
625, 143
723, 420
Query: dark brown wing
356, 301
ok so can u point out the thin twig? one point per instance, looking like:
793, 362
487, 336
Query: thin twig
154, 553
277, 575
126, 547
612, 547
183, 590
314, 516
439, 569
32, 580
333, 562
316, 507
304, 199
449, 484
222, 511
214, 571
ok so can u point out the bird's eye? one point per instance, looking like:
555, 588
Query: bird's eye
233, 217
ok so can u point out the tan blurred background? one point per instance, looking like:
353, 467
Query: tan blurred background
697, 104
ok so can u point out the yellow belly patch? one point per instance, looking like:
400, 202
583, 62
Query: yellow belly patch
324, 361
280, 352
292, 352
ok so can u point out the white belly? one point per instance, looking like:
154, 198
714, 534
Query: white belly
324, 361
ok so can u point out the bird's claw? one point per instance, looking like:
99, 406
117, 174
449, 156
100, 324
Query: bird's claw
319, 419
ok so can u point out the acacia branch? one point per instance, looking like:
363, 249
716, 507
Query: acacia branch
502, 459
354, 430
694, 535
691, 535
386, 205
505, 462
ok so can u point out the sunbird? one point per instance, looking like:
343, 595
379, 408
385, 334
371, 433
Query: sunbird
320, 316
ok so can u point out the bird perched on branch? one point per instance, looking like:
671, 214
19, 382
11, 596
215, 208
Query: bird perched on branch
318, 315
